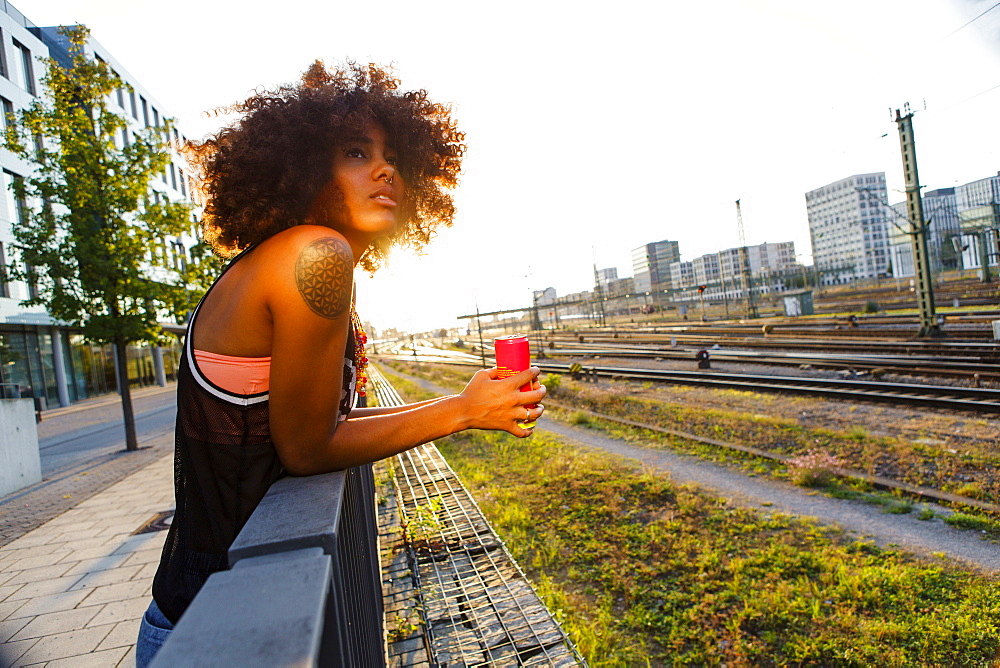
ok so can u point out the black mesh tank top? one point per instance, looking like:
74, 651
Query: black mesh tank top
224, 462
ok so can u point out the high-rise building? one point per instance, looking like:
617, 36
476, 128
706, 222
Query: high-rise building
45, 359
651, 266
605, 276
847, 228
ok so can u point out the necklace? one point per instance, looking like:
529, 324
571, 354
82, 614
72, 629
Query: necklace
360, 359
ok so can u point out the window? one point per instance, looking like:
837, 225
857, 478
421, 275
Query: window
173, 176
145, 111
180, 173
4, 286
15, 205
27, 70
32, 281
156, 117
131, 98
3, 58
8, 113
121, 93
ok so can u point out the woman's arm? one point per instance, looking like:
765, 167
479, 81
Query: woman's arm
310, 272
386, 410
486, 403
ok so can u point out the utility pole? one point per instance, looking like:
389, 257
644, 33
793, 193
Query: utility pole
599, 290
982, 237
482, 348
751, 308
918, 225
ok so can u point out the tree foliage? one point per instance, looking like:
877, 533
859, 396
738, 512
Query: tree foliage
89, 218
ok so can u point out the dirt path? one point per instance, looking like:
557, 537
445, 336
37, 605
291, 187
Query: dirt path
859, 519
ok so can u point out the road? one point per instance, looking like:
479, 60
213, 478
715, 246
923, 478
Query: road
72, 436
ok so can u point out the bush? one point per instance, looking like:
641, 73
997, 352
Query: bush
551, 383
871, 306
813, 469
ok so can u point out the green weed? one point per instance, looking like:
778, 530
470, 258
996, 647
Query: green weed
640, 570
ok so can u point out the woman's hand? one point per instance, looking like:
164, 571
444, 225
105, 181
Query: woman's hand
490, 402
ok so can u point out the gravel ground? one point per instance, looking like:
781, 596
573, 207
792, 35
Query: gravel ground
862, 520
952, 429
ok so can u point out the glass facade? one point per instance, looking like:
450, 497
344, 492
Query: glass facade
27, 360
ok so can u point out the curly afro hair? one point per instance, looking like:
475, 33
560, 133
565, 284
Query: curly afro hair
262, 174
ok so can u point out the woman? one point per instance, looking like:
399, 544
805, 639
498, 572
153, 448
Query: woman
314, 180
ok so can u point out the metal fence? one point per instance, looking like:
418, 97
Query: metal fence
304, 587
478, 607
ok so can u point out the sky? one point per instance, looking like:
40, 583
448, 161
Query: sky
594, 128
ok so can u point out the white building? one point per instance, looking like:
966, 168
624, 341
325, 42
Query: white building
45, 359
651, 266
605, 276
722, 272
978, 204
847, 228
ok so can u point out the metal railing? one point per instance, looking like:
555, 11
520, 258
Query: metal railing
478, 607
303, 588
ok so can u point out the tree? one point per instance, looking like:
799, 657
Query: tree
88, 217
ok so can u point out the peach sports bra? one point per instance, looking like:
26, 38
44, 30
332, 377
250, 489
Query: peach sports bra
241, 375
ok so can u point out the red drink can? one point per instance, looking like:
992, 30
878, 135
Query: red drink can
513, 355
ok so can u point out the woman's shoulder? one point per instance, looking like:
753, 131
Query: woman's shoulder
303, 243
307, 264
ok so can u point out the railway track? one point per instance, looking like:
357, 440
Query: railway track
974, 369
979, 400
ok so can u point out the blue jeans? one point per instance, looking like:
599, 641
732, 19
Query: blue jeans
153, 632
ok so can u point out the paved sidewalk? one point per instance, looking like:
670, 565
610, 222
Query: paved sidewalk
73, 590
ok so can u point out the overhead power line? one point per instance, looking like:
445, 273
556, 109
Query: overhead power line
965, 25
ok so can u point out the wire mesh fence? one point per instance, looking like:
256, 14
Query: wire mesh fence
477, 606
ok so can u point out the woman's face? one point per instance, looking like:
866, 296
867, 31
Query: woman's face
364, 197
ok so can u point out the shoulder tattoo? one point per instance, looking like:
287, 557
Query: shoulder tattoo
324, 274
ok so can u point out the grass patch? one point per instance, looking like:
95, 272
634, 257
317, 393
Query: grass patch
813, 452
895, 458
974, 521
641, 570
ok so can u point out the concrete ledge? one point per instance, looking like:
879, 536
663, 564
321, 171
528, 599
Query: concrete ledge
266, 611
295, 513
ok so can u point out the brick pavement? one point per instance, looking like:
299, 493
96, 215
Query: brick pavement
75, 580
72, 590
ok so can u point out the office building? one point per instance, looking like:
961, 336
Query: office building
847, 229
44, 358
722, 272
651, 266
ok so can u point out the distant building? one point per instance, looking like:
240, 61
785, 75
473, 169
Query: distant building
978, 204
651, 266
545, 297
941, 211
605, 276
722, 273
620, 287
847, 228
